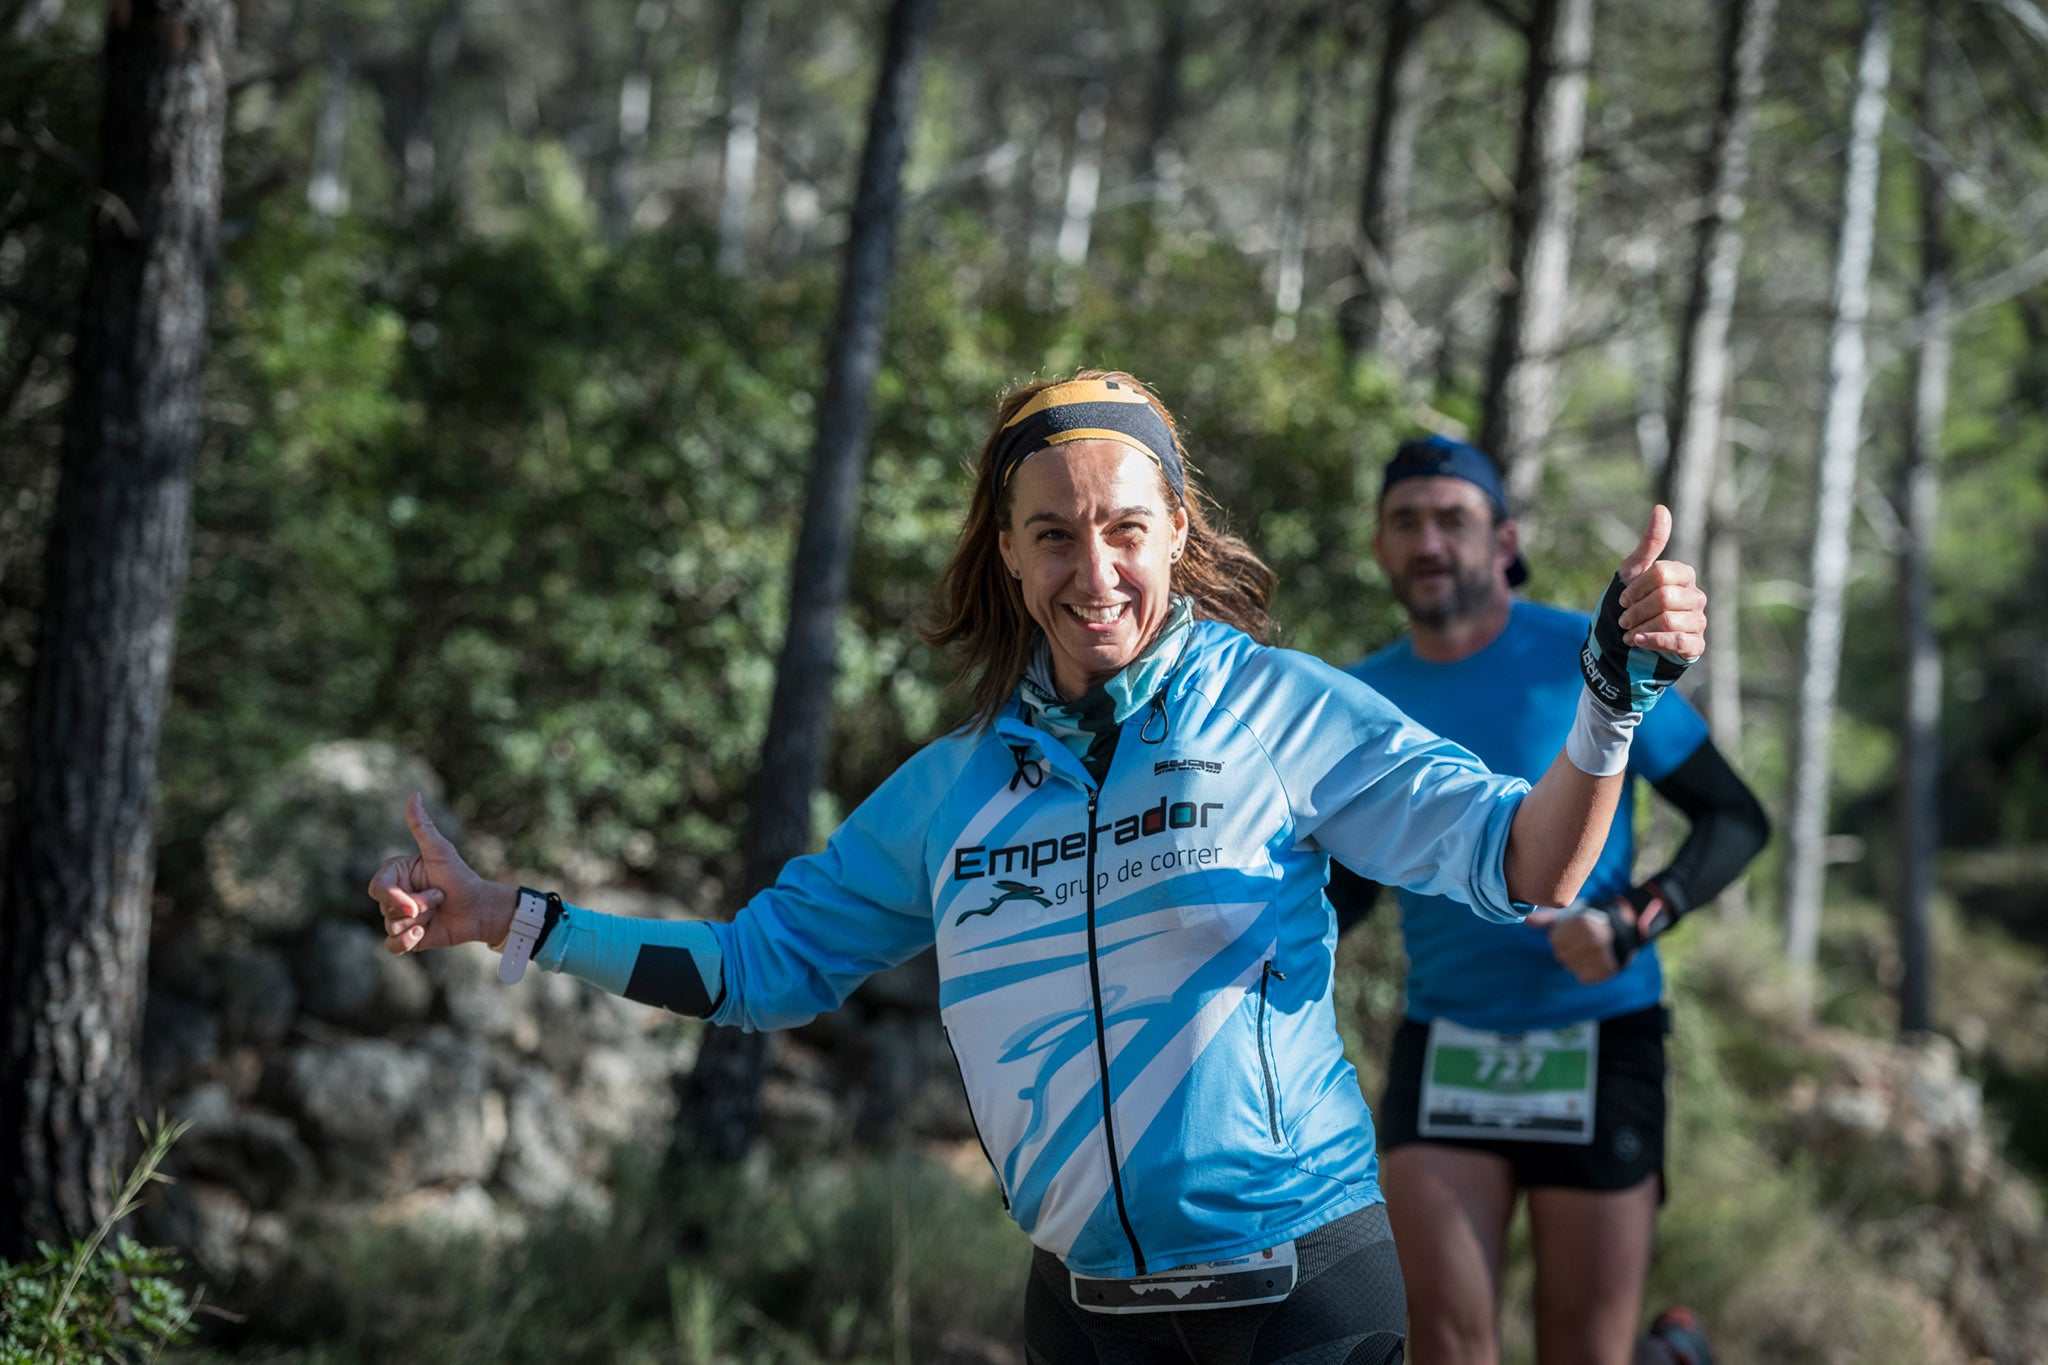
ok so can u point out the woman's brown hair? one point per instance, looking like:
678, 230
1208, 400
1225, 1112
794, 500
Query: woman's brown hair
978, 606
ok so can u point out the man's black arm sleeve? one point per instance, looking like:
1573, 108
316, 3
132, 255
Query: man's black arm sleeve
1353, 896
1728, 828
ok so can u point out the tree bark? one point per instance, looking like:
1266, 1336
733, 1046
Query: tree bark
1841, 434
1362, 320
1919, 806
721, 1102
1521, 383
1701, 392
74, 926
743, 66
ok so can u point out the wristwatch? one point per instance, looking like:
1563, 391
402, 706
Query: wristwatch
528, 920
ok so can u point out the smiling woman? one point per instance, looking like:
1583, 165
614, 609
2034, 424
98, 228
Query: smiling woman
1126, 439
1120, 859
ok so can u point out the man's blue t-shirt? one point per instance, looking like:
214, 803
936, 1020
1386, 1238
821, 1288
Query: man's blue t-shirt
1512, 704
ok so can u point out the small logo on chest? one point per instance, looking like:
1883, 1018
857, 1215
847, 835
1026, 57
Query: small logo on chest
1012, 891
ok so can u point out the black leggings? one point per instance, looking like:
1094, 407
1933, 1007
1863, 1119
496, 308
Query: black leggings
1347, 1308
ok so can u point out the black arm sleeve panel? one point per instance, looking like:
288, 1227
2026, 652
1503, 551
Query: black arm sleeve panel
1728, 828
1353, 896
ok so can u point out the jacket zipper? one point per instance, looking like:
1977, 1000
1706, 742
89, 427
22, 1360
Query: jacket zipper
1265, 1056
1116, 1178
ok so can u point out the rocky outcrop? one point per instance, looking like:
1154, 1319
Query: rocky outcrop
332, 1086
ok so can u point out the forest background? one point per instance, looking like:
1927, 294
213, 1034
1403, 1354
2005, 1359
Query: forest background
532, 326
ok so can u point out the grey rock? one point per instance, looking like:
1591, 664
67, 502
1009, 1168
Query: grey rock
258, 998
339, 972
257, 1154
478, 1004
303, 844
180, 1039
545, 1157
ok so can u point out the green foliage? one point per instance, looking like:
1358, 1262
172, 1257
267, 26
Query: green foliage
873, 1258
105, 1298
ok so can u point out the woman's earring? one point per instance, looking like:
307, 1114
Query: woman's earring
1016, 573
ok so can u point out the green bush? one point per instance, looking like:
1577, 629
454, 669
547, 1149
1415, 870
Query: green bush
106, 1297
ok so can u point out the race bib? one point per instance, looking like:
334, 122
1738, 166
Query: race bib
1526, 1087
1260, 1277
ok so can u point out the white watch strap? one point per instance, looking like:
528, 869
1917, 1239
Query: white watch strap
527, 922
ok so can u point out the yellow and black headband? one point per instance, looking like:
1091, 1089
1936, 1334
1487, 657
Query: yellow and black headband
1088, 410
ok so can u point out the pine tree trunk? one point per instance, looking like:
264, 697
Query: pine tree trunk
744, 62
1841, 434
1521, 382
721, 1101
1363, 319
1919, 805
74, 907
1702, 388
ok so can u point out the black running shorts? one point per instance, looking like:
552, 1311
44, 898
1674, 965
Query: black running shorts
1348, 1308
1628, 1111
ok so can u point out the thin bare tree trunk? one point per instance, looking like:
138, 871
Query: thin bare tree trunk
1702, 389
1723, 660
744, 63
1841, 434
1521, 381
635, 124
74, 906
722, 1096
1362, 319
1919, 808
1290, 271
1156, 170
1084, 175
1645, 353
327, 187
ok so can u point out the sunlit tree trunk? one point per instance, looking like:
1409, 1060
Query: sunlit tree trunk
1701, 392
1723, 661
1290, 272
745, 60
1084, 175
635, 124
1646, 354
722, 1096
1521, 380
1841, 434
1919, 808
1362, 319
327, 187
74, 905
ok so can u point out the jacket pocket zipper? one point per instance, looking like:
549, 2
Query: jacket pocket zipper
1265, 1054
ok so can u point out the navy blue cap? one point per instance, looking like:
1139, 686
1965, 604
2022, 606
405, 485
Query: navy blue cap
1440, 457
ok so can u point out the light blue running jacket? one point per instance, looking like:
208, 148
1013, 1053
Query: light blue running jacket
1136, 976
